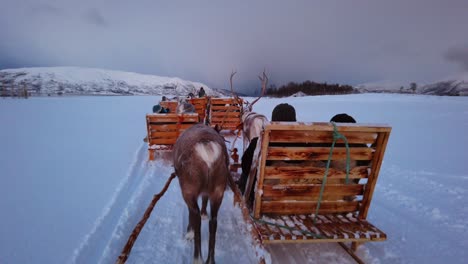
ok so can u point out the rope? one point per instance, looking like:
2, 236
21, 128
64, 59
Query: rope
336, 136
136, 231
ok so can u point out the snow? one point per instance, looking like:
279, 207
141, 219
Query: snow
92, 81
83, 75
384, 85
75, 180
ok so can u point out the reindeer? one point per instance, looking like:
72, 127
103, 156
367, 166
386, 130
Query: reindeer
252, 123
201, 163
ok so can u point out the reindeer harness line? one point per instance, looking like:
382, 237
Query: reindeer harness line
136, 231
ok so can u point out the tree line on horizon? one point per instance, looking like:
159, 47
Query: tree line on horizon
309, 88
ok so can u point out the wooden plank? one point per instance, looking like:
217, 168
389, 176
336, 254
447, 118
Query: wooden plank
265, 138
310, 192
307, 207
317, 153
376, 164
162, 118
225, 119
169, 127
215, 101
225, 112
301, 172
162, 141
325, 126
330, 228
164, 134
306, 136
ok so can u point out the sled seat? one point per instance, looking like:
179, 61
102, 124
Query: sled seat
200, 107
289, 167
226, 113
164, 129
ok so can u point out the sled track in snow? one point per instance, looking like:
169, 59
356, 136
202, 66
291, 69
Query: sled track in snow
94, 245
162, 239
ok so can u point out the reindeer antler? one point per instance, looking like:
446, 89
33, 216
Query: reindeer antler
264, 80
232, 89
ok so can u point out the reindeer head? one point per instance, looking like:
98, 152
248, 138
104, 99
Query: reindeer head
248, 107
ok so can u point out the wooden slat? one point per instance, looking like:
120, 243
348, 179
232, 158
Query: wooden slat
169, 127
162, 141
215, 101
307, 207
376, 163
310, 192
323, 126
329, 228
164, 134
167, 118
307, 136
226, 120
225, 114
265, 138
317, 153
301, 172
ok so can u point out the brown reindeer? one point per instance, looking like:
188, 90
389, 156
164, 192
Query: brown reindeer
201, 164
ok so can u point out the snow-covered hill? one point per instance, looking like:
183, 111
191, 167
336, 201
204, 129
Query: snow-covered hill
453, 86
90, 81
381, 87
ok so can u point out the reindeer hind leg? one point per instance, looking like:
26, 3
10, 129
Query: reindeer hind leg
204, 214
213, 226
195, 226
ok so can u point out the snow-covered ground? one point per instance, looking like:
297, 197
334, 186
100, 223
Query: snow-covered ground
75, 180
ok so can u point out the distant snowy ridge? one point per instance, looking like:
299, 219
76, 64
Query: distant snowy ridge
450, 87
453, 86
91, 81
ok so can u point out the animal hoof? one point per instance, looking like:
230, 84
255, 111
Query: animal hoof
204, 216
190, 235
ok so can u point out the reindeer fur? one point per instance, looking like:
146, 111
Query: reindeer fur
201, 164
252, 126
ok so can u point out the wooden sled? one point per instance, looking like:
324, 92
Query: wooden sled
289, 167
226, 113
201, 105
164, 129
171, 105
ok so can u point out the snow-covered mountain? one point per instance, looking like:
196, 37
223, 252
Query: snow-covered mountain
456, 85
90, 81
384, 87
453, 86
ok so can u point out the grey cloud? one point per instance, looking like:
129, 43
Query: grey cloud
338, 41
458, 55
95, 17
46, 9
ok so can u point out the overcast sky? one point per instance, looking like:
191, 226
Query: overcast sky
341, 41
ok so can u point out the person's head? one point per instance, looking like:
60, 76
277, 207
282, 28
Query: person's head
343, 118
284, 112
